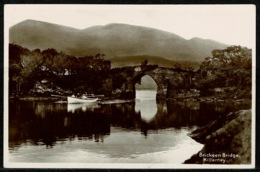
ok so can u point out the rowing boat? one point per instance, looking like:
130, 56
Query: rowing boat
81, 100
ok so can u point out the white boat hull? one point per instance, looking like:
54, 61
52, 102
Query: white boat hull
80, 100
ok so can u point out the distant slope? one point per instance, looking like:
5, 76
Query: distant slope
137, 60
35, 34
114, 40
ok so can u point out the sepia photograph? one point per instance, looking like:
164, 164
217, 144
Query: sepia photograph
129, 86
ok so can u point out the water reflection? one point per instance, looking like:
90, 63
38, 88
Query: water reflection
47, 122
82, 107
30, 120
147, 108
139, 131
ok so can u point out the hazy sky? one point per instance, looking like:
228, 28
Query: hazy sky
230, 24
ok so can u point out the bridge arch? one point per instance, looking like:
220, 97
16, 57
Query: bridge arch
146, 88
137, 80
169, 81
146, 82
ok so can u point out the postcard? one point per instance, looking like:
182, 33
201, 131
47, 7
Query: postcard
129, 86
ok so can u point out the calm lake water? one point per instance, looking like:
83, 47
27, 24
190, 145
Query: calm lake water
142, 131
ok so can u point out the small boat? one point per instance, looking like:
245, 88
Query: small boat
81, 100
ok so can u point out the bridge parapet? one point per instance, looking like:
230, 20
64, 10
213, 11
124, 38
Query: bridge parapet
168, 80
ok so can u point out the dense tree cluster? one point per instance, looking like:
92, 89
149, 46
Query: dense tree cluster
230, 67
74, 73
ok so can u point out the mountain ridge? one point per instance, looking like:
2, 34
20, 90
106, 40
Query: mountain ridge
116, 40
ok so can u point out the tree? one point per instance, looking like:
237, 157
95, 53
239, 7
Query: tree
16, 54
67, 71
227, 67
30, 64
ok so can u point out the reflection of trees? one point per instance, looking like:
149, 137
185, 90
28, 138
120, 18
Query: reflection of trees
122, 115
26, 123
45, 123
170, 114
189, 113
88, 124
175, 114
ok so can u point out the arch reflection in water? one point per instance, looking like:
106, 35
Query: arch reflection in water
145, 94
110, 133
82, 107
147, 108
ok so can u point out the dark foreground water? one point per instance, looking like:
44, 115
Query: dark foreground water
143, 131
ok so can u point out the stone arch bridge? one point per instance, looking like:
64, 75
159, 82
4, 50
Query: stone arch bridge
170, 81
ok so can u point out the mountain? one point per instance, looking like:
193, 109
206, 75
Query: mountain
119, 42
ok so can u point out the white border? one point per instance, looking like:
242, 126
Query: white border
8, 164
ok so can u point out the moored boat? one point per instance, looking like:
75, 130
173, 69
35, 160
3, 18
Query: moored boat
81, 100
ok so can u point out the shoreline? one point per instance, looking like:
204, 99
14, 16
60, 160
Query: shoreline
200, 99
215, 136
227, 140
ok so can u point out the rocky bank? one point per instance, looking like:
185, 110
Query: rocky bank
226, 140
